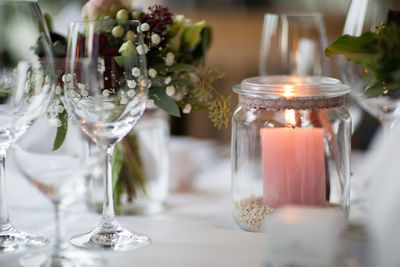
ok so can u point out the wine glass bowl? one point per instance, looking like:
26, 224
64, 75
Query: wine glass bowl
26, 90
106, 90
59, 174
62, 175
293, 44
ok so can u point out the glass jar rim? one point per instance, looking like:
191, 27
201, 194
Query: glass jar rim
288, 86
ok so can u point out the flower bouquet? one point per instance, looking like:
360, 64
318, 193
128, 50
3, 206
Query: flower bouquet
178, 80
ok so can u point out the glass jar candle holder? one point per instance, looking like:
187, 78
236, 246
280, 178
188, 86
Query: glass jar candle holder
290, 146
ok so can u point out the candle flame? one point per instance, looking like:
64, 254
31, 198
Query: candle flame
288, 91
290, 117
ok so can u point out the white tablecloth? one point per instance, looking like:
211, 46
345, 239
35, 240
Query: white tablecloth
197, 229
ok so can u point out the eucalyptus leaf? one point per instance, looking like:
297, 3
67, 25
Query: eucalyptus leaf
61, 131
157, 93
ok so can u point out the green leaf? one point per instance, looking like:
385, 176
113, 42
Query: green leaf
61, 131
182, 67
358, 49
126, 61
157, 93
191, 35
373, 88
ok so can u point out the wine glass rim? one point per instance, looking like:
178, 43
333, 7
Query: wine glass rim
20, 1
292, 86
104, 21
305, 14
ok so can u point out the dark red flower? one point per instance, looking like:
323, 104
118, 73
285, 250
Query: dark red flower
159, 19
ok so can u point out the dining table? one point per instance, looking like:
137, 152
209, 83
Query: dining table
195, 229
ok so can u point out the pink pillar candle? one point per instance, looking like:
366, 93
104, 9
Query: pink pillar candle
293, 166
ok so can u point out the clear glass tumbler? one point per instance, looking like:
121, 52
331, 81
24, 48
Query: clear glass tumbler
290, 146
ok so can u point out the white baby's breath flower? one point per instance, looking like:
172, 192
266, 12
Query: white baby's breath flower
169, 59
84, 93
155, 38
131, 83
106, 92
131, 93
58, 90
142, 49
145, 27
81, 86
150, 103
60, 109
178, 96
152, 73
68, 77
136, 71
187, 109
59, 123
149, 83
170, 90
72, 93
167, 80
124, 101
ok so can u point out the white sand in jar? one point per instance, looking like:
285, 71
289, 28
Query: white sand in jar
250, 212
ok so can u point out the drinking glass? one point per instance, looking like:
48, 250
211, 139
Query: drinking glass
26, 89
293, 44
60, 174
362, 16
106, 93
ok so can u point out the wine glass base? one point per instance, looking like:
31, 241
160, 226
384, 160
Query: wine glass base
14, 240
65, 257
120, 239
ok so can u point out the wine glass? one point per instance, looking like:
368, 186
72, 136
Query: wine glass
293, 44
106, 92
362, 16
61, 174
26, 89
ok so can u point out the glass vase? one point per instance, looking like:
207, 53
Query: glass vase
141, 168
290, 146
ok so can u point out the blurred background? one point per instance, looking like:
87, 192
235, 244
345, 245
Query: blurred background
237, 27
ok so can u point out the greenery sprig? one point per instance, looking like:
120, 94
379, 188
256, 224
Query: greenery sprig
216, 103
378, 52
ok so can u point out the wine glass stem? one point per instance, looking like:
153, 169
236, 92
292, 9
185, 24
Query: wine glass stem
108, 204
60, 240
5, 223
